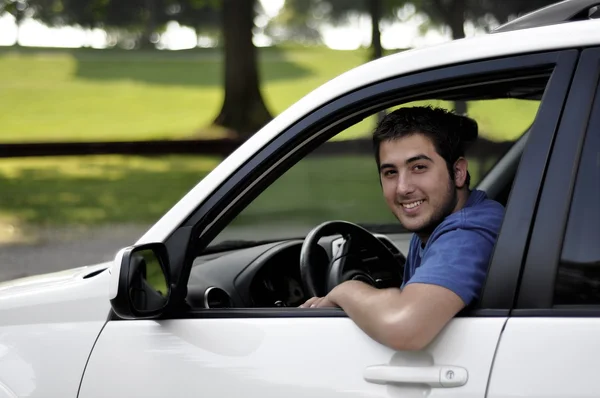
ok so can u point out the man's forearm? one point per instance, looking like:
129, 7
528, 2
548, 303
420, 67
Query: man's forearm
372, 310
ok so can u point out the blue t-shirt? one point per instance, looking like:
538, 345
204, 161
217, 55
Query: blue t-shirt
457, 254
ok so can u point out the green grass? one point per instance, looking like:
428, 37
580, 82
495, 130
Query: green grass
96, 189
117, 189
118, 95
99, 95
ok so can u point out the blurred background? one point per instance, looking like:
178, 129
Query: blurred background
113, 109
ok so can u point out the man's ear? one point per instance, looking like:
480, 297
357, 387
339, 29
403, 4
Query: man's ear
461, 167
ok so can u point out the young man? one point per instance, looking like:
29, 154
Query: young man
425, 182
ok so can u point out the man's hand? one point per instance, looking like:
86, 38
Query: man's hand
318, 302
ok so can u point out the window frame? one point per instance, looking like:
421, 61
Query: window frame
536, 292
275, 158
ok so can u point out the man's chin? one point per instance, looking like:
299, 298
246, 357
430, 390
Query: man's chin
419, 228
412, 227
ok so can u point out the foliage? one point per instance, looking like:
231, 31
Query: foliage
143, 18
299, 20
482, 13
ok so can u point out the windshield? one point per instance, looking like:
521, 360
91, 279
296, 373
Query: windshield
340, 180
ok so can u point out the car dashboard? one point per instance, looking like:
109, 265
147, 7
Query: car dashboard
263, 276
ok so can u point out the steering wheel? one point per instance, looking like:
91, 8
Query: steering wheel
358, 244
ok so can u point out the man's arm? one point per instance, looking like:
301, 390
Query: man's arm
402, 320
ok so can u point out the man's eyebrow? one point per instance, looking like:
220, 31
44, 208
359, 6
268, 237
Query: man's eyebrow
418, 157
408, 161
386, 166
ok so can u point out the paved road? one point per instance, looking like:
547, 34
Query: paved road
60, 249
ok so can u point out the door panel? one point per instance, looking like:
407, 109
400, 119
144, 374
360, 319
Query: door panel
550, 347
547, 357
275, 357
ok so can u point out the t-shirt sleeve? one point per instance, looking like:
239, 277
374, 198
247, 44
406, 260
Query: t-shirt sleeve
457, 260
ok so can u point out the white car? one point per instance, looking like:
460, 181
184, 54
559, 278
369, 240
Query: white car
190, 310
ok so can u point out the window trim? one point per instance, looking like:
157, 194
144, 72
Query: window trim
315, 127
536, 292
505, 270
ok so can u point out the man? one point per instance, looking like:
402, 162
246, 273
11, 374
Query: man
425, 181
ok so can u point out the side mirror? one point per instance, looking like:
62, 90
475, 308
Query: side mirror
140, 282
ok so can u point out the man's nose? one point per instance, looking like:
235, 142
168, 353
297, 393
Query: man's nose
404, 185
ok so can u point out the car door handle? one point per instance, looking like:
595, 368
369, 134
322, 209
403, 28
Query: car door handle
433, 376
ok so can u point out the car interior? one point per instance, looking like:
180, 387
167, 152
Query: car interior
275, 273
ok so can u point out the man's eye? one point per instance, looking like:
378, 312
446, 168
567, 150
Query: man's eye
388, 173
419, 167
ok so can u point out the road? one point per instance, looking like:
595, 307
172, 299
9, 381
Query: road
58, 249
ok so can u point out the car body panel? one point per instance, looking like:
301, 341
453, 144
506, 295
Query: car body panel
48, 326
274, 357
547, 357
550, 348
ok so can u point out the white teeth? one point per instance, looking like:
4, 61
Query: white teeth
412, 205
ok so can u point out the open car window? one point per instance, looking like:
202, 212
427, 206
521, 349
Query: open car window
339, 180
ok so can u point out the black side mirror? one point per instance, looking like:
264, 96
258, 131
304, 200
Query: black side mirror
140, 282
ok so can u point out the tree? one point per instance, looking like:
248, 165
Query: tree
243, 110
376, 13
17, 8
454, 14
307, 14
204, 16
141, 16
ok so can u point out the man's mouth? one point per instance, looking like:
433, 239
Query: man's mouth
412, 205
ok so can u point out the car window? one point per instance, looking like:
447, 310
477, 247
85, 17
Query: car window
340, 181
578, 277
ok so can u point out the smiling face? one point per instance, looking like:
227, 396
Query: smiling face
417, 185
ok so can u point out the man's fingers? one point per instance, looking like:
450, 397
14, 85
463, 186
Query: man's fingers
309, 302
316, 303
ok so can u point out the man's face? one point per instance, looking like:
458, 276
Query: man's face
416, 183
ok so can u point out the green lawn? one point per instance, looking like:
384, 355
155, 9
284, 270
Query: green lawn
56, 95
52, 95
114, 189
96, 189
99, 95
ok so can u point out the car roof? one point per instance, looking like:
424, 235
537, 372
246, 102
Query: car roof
545, 38
562, 12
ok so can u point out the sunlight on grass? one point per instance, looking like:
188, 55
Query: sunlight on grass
72, 191
11, 230
101, 95
57, 95
112, 95
102, 167
97, 189
498, 120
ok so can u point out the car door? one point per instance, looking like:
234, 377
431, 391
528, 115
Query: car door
550, 346
274, 352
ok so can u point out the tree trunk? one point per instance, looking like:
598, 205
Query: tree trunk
376, 10
19, 16
456, 22
243, 110
149, 25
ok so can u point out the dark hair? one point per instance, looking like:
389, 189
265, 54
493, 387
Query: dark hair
449, 132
